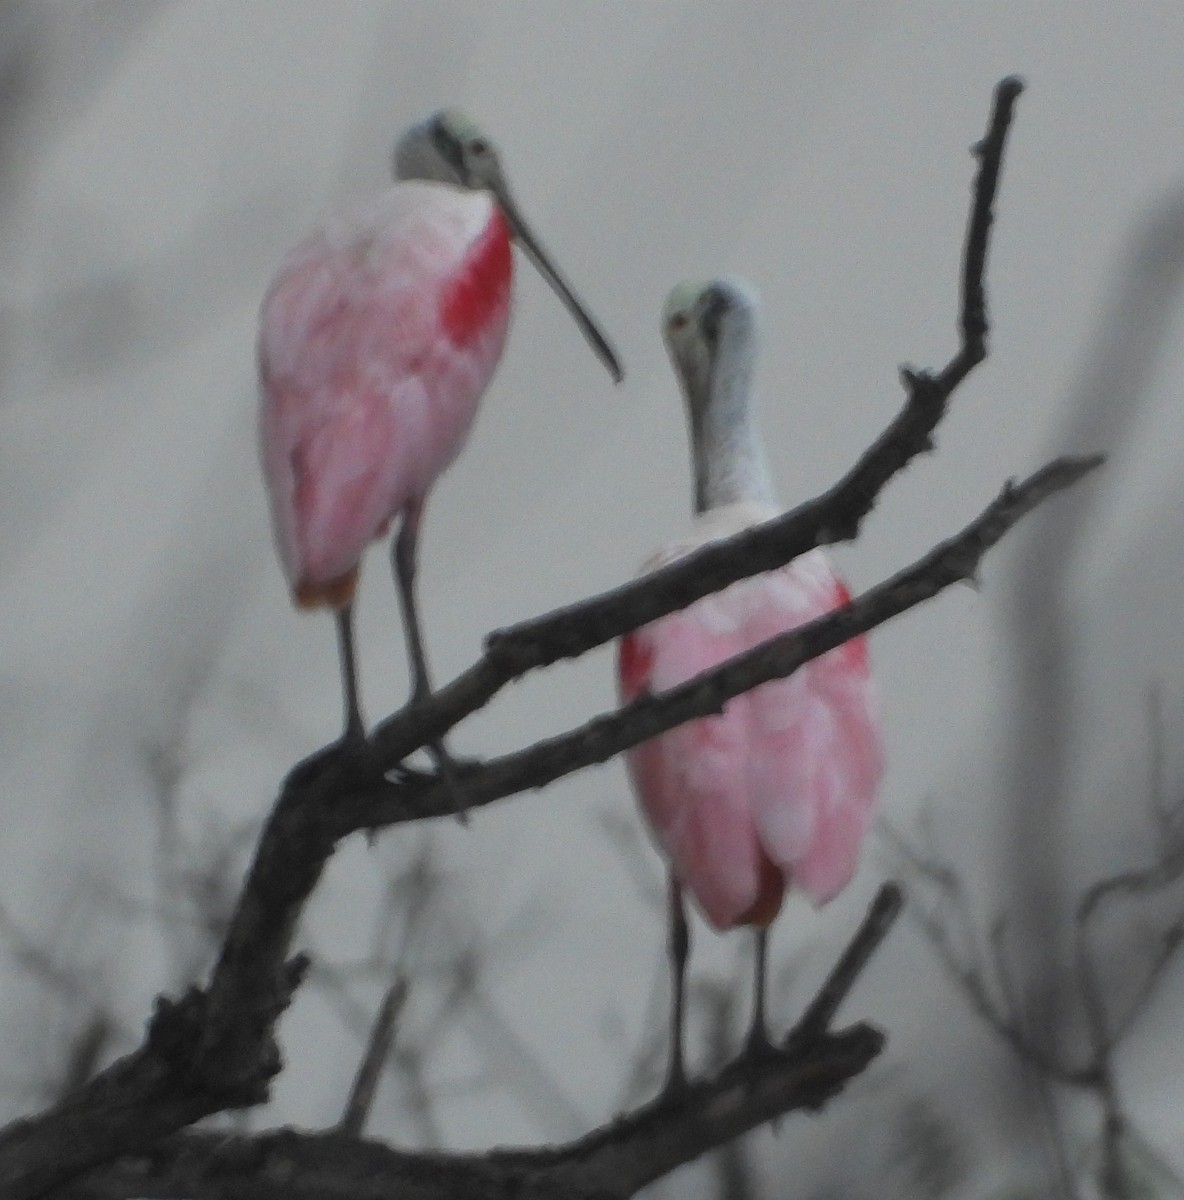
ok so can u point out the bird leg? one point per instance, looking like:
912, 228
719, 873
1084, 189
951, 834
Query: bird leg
350, 748
679, 949
403, 559
757, 1043
355, 730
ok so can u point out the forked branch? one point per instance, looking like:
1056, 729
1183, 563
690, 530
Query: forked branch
834, 516
809, 1069
215, 1048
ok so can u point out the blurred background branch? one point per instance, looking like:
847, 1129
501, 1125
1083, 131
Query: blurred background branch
1111, 985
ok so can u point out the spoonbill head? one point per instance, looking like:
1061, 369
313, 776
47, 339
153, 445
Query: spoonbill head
776, 791
708, 328
450, 147
711, 331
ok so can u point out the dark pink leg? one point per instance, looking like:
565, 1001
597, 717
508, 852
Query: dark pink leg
355, 730
404, 562
758, 1032
679, 950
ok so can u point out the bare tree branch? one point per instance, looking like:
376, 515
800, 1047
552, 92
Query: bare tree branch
215, 1049
994, 997
614, 1161
990, 993
378, 1048
617, 1160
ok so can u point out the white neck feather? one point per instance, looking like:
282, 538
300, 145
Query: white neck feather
729, 459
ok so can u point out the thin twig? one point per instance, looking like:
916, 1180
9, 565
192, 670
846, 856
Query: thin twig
1169, 945
879, 920
1167, 869
378, 1048
969, 969
989, 153
1096, 1074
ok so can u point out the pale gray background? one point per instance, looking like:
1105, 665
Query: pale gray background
156, 160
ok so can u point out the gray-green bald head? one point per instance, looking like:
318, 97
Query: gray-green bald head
708, 326
710, 330
448, 147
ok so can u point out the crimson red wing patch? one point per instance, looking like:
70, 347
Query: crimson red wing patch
481, 286
635, 660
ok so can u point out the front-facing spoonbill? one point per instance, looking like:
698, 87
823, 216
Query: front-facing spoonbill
377, 338
777, 790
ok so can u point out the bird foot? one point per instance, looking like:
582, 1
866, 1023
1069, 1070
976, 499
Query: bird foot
448, 771
677, 1085
402, 773
405, 773
674, 1091
351, 752
758, 1044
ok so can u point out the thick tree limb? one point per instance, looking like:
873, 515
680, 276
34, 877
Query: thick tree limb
612, 1162
214, 1049
616, 1160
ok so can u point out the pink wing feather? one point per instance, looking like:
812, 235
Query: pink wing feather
688, 779
785, 777
376, 340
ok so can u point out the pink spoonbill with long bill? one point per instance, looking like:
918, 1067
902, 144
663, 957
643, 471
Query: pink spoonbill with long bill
775, 792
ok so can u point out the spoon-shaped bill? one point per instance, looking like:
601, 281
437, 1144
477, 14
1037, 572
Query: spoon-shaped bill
542, 261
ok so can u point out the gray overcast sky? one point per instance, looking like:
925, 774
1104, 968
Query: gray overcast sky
157, 162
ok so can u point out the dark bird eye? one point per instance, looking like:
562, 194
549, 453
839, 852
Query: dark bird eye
678, 322
479, 147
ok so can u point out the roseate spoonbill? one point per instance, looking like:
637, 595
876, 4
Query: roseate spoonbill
377, 338
777, 790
